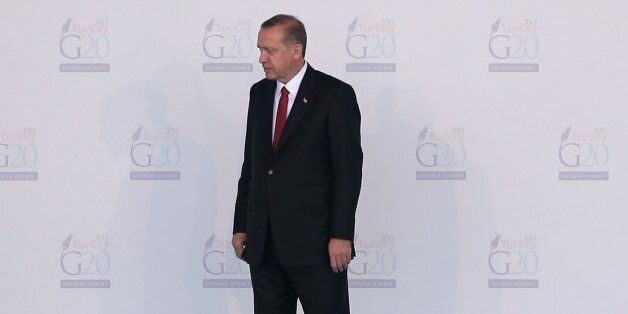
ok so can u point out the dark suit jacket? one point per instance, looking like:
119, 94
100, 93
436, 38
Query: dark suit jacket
310, 185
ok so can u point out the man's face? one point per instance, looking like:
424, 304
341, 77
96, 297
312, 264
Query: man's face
278, 59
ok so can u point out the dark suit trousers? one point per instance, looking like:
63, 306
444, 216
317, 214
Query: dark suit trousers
276, 288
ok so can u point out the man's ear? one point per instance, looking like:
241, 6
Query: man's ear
298, 51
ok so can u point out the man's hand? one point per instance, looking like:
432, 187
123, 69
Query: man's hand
339, 254
238, 241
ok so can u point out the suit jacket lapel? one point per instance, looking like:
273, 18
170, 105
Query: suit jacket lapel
303, 101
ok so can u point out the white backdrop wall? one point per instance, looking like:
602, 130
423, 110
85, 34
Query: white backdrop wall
494, 172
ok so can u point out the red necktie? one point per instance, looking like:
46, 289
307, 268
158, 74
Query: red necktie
281, 116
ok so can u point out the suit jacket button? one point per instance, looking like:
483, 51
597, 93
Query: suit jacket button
270, 171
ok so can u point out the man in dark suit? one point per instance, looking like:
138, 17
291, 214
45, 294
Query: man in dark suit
294, 218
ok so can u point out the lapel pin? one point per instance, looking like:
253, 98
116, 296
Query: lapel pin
304, 100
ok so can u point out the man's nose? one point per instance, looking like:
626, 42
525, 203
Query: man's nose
263, 58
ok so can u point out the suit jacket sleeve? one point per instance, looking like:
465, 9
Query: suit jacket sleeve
242, 199
346, 161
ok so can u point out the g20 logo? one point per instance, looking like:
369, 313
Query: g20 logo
513, 46
522, 260
440, 153
83, 46
167, 154
372, 45
374, 262
227, 46
18, 155
583, 154
84, 262
218, 262
513, 262
595, 154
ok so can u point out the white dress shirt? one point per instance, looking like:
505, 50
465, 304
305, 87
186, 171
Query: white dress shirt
293, 87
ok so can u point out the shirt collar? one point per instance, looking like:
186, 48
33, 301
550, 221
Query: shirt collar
293, 84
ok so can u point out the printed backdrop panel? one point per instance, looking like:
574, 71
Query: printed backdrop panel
492, 133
